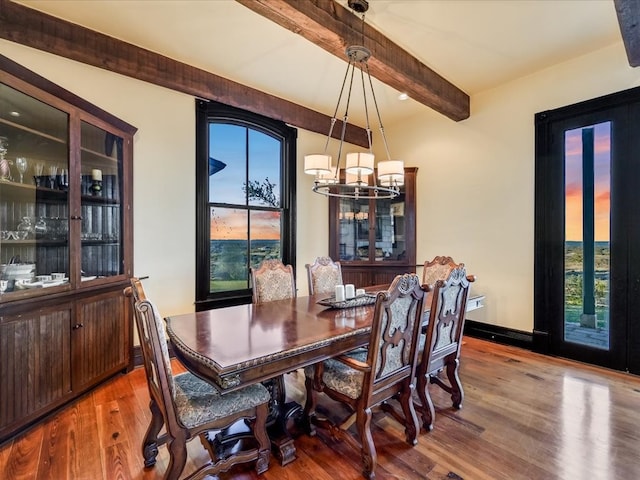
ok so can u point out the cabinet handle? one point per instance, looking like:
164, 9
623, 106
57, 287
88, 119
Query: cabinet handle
77, 326
76, 217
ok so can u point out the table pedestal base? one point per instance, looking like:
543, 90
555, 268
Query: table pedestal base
280, 413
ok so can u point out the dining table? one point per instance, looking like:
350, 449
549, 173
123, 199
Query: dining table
236, 346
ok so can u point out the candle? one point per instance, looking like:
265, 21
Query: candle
349, 291
339, 293
359, 292
96, 174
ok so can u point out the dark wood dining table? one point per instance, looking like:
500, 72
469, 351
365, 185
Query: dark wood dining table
244, 344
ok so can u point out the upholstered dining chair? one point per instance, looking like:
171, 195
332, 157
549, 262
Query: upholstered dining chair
440, 346
323, 276
386, 370
272, 280
438, 269
189, 407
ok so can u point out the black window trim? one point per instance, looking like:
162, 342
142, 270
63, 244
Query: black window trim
206, 111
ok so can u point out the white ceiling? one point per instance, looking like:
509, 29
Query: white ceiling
475, 44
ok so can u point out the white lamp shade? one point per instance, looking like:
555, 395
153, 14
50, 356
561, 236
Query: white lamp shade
354, 179
392, 181
316, 164
391, 173
392, 168
328, 178
360, 162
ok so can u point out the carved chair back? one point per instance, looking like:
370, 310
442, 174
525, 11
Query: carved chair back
272, 280
438, 269
443, 340
323, 276
393, 347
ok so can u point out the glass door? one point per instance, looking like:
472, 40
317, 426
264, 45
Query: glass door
587, 246
34, 196
588, 232
100, 195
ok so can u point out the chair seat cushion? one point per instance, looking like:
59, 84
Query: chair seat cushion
341, 378
199, 402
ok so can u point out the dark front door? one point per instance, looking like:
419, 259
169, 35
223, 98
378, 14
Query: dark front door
587, 246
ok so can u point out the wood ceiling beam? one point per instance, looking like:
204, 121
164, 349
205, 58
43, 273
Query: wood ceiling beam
333, 28
628, 12
44, 32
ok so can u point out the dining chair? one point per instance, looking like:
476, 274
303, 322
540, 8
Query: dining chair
189, 407
272, 280
323, 276
440, 346
438, 269
386, 370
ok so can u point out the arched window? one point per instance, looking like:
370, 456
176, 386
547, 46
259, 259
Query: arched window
245, 194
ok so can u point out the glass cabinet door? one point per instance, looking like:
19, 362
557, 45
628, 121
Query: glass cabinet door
363, 223
353, 232
101, 192
34, 194
390, 229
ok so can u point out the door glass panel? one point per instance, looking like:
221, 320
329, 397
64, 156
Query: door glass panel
101, 191
587, 235
34, 198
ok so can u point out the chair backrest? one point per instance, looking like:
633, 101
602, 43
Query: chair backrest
393, 347
272, 280
155, 354
446, 320
323, 276
438, 269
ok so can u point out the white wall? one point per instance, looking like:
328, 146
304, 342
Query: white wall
476, 177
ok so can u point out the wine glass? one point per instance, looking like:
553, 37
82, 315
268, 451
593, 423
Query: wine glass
21, 165
38, 168
53, 171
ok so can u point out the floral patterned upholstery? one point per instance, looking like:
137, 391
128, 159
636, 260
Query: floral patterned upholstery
444, 332
323, 276
272, 280
198, 402
366, 378
438, 269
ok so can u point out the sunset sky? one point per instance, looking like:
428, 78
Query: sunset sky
234, 146
573, 182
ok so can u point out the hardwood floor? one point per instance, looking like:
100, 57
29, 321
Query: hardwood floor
525, 416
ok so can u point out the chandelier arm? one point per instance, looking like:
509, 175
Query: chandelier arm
375, 103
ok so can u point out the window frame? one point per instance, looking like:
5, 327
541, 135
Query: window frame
211, 110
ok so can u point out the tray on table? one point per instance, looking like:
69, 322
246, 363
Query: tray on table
358, 301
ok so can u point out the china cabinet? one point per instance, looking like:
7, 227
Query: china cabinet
65, 246
375, 240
